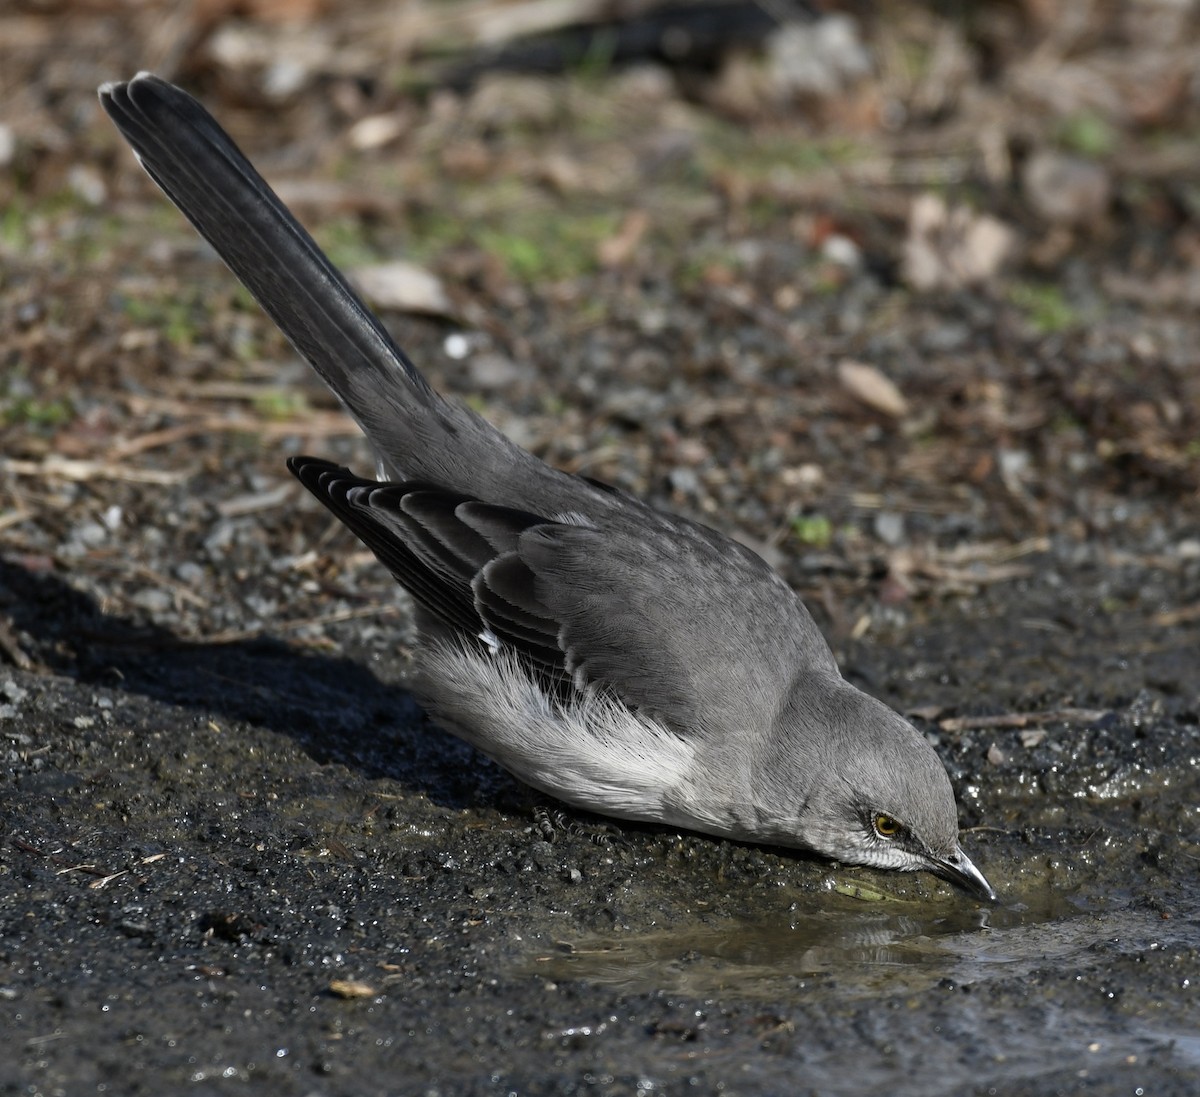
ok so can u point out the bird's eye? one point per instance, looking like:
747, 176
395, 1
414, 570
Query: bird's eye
885, 826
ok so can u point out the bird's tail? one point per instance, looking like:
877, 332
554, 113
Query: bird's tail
417, 434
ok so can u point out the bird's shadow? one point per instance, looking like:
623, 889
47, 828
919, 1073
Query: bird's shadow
335, 708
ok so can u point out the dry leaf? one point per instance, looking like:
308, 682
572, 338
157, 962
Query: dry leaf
618, 250
352, 988
867, 385
376, 130
949, 248
403, 286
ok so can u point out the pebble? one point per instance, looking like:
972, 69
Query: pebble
152, 600
1066, 189
491, 371
90, 534
889, 527
685, 481
843, 251
190, 572
10, 690
456, 346
817, 58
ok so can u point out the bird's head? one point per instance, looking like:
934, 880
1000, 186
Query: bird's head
865, 786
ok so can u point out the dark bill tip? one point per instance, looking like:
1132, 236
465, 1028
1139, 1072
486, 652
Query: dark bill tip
958, 869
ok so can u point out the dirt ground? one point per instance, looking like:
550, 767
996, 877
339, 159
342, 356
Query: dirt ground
907, 299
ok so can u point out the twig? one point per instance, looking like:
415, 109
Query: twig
11, 648
1171, 617
1024, 719
14, 518
54, 467
324, 425
996, 554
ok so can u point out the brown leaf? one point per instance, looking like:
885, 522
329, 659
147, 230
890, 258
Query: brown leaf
352, 988
618, 250
949, 248
869, 386
403, 286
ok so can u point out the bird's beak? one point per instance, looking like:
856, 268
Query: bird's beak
958, 869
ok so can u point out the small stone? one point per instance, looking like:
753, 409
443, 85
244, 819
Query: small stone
87, 184
652, 321
491, 371
808, 476
284, 78
644, 84
1066, 189
504, 102
90, 534
685, 481
457, 346
843, 251
543, 854
10, 689
818, 58
889, 527
190, 572
152, 600
265, 608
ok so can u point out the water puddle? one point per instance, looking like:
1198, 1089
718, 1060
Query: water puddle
845, 946
966, 992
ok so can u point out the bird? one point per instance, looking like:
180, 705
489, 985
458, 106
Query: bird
622, 659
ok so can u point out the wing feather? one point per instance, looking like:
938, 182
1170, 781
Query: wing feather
651, 614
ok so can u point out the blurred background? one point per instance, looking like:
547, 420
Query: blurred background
905, 293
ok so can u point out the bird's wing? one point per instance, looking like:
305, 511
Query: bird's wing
684, 624
680, 624
454, 555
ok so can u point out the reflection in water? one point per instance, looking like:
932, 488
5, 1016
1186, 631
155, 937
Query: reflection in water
827, 959
865, 948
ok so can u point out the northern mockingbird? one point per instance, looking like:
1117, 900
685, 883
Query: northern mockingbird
620, 658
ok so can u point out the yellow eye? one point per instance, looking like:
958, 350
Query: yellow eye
886, 826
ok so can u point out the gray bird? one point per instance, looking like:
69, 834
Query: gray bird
622, 659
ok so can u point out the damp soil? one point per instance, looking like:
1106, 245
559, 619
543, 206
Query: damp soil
250, 862
233, 850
